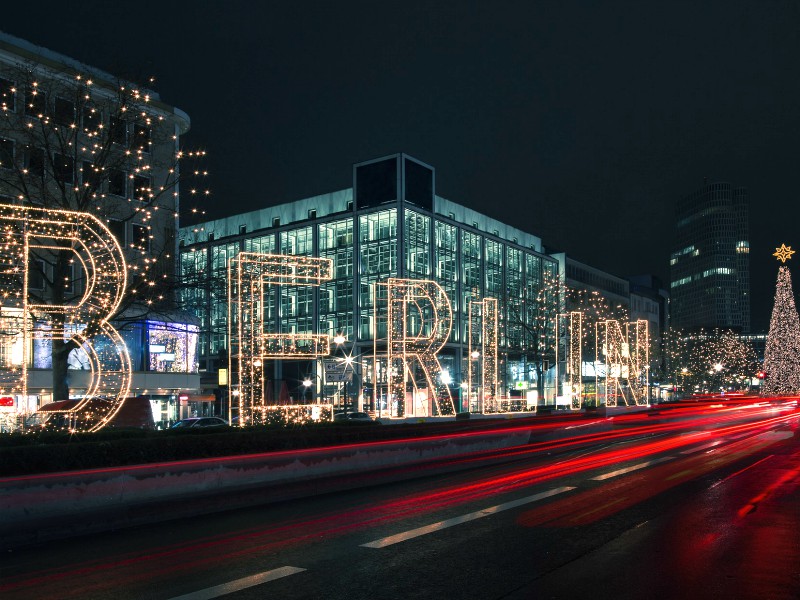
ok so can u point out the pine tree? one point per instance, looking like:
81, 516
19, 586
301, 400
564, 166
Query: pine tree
782, 353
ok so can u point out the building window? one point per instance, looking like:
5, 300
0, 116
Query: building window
7, 95
141, 237
6, 153
90, 175
36, 273
117, 229
35, 103
64, 168
91, 118
141, 137
141, 188
34, 161
118, 131
69, 280
117, 182
63, 111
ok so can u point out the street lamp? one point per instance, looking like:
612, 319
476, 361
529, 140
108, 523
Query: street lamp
340, 339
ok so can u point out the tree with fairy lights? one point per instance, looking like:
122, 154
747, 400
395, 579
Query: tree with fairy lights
532, 320
595, 307
75, 139
782, 352
710, 361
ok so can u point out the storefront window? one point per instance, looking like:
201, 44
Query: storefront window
172, 347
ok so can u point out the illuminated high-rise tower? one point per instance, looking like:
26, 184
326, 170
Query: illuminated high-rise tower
710, 260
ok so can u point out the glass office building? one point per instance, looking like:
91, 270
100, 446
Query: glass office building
710, 261
389, 224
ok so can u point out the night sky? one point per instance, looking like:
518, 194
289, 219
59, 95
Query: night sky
581, 122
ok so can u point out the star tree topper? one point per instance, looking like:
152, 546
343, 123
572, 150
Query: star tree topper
783, 253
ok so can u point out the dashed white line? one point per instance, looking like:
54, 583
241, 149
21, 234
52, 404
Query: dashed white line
631, 468
703, 447
239, 584
412, 533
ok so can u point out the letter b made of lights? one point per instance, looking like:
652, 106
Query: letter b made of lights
420, 318
36, 244
250, 341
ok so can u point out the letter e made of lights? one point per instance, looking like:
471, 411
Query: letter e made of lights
250, 341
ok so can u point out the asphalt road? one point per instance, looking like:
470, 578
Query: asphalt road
696, 504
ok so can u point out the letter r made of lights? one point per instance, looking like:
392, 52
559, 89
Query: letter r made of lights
482, 353
626, 360
420, 317
250, 341
38, 237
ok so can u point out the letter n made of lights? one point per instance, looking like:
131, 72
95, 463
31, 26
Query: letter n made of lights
626, 359
420, 318
570, 327
249, 276
482, 348
34, 236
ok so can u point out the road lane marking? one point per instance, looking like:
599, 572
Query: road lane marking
239, 584
412, 533
703, 447
631, 468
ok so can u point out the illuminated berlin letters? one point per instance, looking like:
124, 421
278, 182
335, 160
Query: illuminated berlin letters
420, 318
32, 239
249, 276
626, 359
570, 327
483, 353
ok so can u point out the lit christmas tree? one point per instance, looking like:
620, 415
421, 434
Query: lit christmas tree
782, 353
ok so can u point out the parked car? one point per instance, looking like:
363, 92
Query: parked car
200, 422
